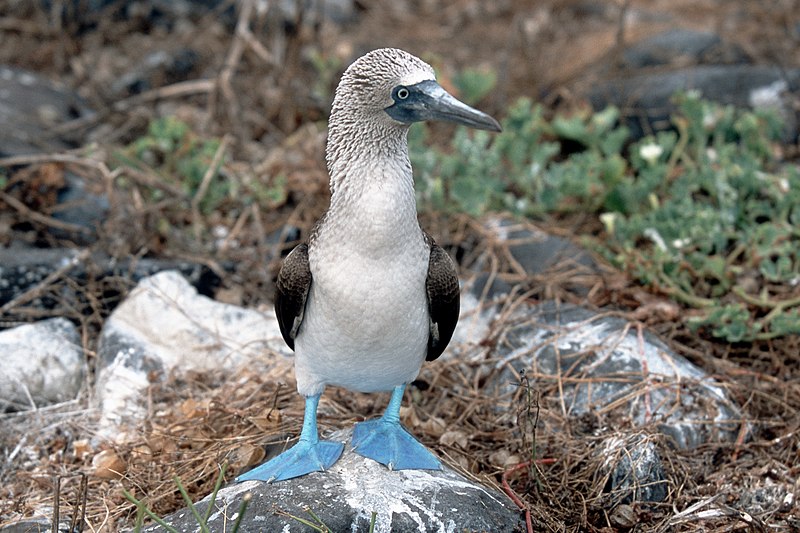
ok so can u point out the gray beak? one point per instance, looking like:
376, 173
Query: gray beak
427, 100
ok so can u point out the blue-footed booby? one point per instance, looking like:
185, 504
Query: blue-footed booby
370, 296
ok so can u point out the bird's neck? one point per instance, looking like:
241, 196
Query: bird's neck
372, 187
362, 156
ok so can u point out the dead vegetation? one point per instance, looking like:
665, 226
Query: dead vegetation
260, 85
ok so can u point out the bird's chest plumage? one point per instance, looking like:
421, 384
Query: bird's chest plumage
366, 323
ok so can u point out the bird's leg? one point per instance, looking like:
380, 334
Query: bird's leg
309, 454
385, 440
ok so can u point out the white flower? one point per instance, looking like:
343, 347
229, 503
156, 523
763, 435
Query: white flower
650, 152
656, 237
608, 220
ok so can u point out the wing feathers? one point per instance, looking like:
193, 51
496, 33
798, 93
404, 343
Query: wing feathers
294, 282
443, 300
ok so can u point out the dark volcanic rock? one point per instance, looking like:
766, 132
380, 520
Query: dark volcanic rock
645, 97
681, 47
80, 207
22, 269
537, 252
346, 496
638, 474
157, 69
30, 106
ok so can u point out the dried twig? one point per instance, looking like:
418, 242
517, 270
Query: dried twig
30, 214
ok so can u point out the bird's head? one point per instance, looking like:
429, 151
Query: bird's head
391, 87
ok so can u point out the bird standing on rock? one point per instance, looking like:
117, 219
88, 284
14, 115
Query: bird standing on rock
370, 296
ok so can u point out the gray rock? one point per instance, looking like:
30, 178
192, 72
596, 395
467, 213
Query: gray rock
645, 97
80, 206
681, 46
43, 363
163, 325
604, 366
169, 13
159, 68
637, 474
22, 269
31, 526
345, 497
339, 11
30, 107
537, 252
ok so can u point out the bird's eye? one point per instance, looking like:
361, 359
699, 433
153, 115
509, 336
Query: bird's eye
402, 93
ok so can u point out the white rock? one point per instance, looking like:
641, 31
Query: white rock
43, 363
165, 324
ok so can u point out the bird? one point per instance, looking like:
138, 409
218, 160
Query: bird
369, 296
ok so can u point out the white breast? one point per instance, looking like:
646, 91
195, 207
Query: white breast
366, 322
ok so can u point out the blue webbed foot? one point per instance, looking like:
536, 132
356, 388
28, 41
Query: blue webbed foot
389, 443
301, 459
309, 455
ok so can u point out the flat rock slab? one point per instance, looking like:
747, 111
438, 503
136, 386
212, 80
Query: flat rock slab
345, 497
647, 96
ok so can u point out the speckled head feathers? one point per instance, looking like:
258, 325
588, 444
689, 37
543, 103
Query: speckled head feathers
379, 96
367, 84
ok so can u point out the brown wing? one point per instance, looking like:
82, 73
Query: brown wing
294, 282
443, 300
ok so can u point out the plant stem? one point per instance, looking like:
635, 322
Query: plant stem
217, 485
148, 512
191, 506
245, 502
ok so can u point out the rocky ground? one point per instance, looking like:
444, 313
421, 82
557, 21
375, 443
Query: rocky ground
81, 225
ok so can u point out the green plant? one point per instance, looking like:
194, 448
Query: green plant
177, 155
474, 83
714, 221
327, 68
703, 213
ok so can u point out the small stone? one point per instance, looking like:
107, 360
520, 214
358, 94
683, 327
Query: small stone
624, 516
81, 448
108, 465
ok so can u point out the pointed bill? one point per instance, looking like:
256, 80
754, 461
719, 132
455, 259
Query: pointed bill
427, 100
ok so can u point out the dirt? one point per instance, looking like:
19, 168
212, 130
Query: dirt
267, 91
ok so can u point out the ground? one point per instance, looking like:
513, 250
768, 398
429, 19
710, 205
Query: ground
265, 92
